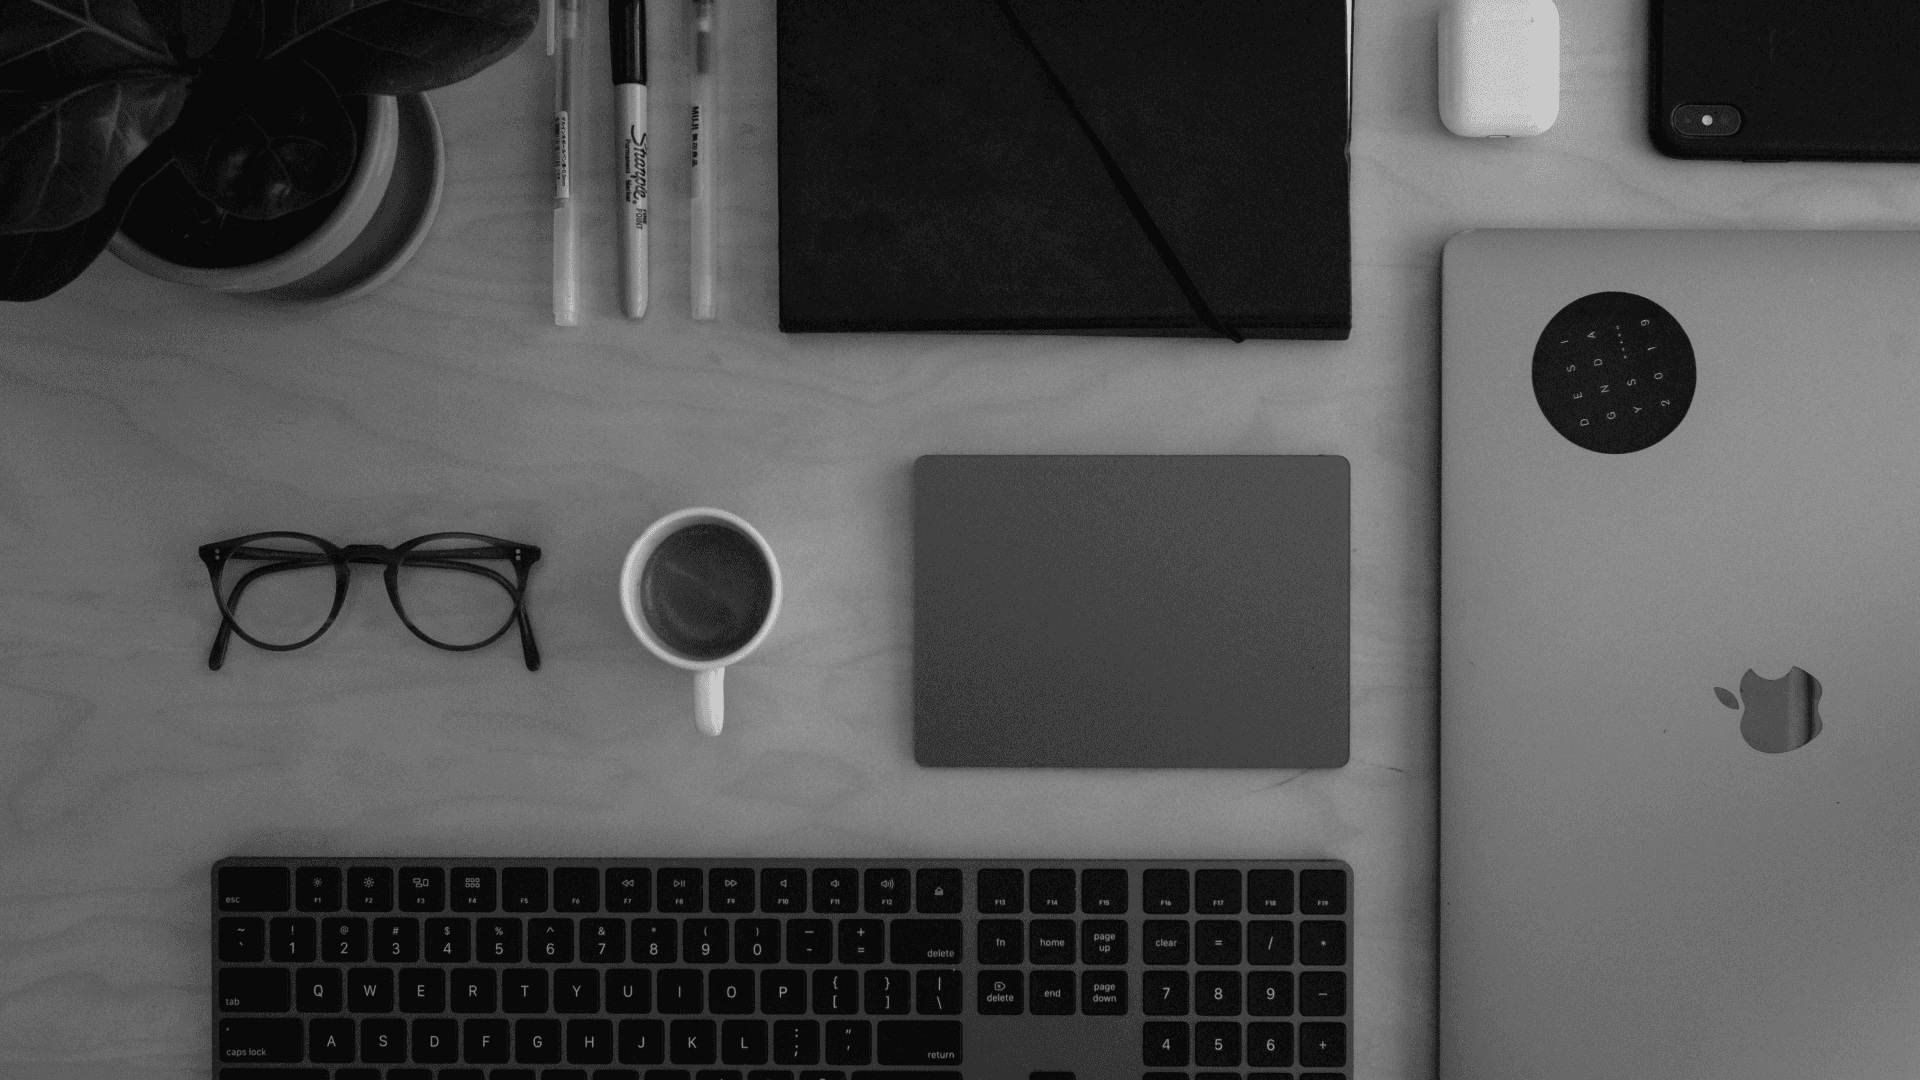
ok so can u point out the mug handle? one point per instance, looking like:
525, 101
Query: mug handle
709, 700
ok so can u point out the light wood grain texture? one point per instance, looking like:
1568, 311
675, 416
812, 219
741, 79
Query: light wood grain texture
140, 419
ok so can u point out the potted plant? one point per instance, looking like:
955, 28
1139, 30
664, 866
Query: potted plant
218, 135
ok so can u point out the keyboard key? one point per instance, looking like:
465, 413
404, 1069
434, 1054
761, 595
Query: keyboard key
693, 1042
486, 1042
1216, 942
1270, 1044
756, 941
1164, 1044
370, 888
292, 940
603, 941
421, 990
471, 990
473, 888
243, 940
255, 990
396, 941
886, 891
317, 888
523, 990
536, 1042
1270, 892
1103, 892
1216, 892
1002, 993
629, 990
730, 992
1270, 942
1323, 892
655, 941
704, 941
435, 1042
1164, 993
783, 892
796, 1042
1103, 941
261, 1040
1216, 993
836, 992
1050, 941
1216, 1044
576, 888
783, 991
861, 941
1323, 1045
680, 890
589, 1042
1323, 993
343, 941
1000, 892
730, 889
1323, 944
642, 1042
1270, 993
423, 888
254, 888
1001, 941
919, 1042
936, 992
1051, 993
849, 1042
743, 1042
1050, 892
576, 990
330, 1041
809, 941
680, 990
1163, 892
836, 891
383, 1041
523, 888
370, 990
925, 941
1165, 941
318, 990
550, 941
937, 891
629, 889
1103, 993
888, 993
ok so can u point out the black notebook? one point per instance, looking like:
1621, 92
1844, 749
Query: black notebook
1065, 166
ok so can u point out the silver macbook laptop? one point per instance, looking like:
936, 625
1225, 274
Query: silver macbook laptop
1680, 655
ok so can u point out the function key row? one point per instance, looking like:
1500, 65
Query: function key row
891, 890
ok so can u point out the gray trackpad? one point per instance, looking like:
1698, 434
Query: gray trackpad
1131, 611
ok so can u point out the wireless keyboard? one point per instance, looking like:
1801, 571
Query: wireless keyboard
690, 969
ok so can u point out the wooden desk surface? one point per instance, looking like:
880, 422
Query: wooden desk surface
139, 419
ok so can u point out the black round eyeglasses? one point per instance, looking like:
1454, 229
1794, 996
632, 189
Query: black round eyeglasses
443, 586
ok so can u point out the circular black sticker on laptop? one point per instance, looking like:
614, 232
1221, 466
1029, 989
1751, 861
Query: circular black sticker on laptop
1613, 372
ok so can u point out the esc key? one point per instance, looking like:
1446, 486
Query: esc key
253, 888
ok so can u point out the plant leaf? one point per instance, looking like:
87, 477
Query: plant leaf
261, 143
85, 87
36, 265
381, 46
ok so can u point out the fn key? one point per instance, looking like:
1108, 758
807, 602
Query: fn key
919, 1042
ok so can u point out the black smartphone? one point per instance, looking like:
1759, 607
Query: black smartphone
1786, 80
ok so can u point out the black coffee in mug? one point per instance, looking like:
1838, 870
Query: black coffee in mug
705, 591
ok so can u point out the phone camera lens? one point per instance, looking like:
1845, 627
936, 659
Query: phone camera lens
1706, 120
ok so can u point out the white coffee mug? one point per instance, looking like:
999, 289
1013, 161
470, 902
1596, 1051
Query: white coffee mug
709, 703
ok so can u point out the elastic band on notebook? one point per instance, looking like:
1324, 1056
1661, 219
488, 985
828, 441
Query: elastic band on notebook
1120, 183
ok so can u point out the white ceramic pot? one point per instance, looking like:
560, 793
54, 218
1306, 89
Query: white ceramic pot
374, 229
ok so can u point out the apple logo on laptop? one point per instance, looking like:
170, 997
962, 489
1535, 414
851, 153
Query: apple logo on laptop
1782, 714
